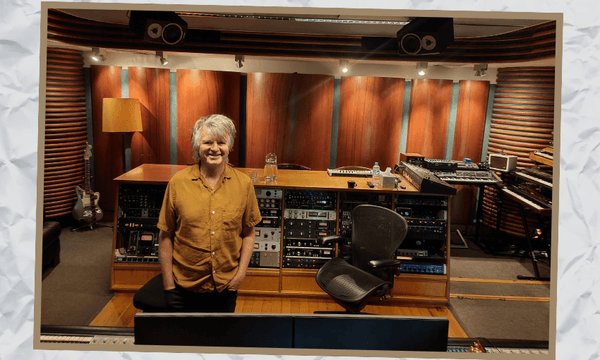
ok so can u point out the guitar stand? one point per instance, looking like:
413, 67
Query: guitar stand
91, 226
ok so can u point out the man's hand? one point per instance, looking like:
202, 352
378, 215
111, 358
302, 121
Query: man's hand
235, 283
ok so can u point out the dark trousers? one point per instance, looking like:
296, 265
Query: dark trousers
182, 300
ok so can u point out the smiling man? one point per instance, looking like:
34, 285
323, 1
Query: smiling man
207, 224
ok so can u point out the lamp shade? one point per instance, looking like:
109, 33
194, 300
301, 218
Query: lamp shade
121, 115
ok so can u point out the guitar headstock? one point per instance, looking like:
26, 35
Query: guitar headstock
87, 152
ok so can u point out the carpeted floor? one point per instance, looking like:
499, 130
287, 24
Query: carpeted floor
76, 290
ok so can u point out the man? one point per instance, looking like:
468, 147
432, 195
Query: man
207, 224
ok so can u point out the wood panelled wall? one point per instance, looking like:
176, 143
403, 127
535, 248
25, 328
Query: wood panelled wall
108, 147
370, 121
429, 113
468, 141
290, 115
202, 93
151, 87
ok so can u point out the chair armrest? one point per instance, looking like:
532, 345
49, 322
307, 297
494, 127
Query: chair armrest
326, 240
384, 263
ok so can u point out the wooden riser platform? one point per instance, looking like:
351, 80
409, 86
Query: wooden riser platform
120, 312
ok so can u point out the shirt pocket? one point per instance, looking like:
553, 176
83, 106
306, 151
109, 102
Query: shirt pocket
232, 219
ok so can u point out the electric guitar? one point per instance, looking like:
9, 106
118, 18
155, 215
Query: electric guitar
86, 209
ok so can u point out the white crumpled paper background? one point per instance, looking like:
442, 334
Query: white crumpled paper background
578, 301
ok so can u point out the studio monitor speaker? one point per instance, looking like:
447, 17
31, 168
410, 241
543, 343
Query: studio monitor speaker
158, 26
425, 36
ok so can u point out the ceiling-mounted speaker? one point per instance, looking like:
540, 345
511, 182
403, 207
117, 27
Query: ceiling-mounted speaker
425, 36
162, 27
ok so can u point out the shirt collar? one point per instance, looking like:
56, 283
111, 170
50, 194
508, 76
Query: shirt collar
196, 172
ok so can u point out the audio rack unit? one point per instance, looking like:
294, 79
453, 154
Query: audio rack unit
427, 235
308, 214
267, 244
137, 216
349, 200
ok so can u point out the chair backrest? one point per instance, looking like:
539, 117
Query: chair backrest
377, 232
288, 166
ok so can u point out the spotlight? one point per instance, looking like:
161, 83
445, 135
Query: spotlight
421, 68
239, 61
480, 69
344, 66
161, 57
96, 56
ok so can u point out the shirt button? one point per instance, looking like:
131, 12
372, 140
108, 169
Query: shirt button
213, 211
213, 232
213, 252
214, 271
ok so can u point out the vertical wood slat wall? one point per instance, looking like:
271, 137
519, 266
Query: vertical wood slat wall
66, 131
522, 122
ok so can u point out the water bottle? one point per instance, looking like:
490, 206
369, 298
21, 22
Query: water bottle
376, 174
270, 172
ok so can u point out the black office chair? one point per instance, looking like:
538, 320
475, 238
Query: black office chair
151, 296
376, 234
289, 166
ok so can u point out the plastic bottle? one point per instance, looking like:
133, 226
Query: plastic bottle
376, 174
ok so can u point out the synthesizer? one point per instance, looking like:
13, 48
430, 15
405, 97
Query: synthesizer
536, 203
535, 175
423, 179
352, 173
469, 177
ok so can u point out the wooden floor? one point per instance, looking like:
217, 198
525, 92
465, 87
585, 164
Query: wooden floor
120, 312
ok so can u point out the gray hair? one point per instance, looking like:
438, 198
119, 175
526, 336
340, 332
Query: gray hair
219, 126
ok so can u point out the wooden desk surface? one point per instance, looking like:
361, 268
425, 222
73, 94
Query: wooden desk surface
287, 179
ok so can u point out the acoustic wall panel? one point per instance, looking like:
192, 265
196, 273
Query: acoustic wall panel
522, 122
468, 141
289, 114
428, 117
370, 121
108, 147
202, 93
65, 131
151, 87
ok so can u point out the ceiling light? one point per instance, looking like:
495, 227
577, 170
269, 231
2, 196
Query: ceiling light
344, 66
239, 61
96, 56
480, 69
421, 68
161, 57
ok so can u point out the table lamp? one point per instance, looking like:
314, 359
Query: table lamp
124, 116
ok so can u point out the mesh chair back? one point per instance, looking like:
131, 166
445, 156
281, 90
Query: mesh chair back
377, 232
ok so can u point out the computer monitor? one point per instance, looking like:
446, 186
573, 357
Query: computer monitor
303, 331
502, 162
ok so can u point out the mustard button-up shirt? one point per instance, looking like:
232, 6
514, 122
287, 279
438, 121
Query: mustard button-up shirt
207, 224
